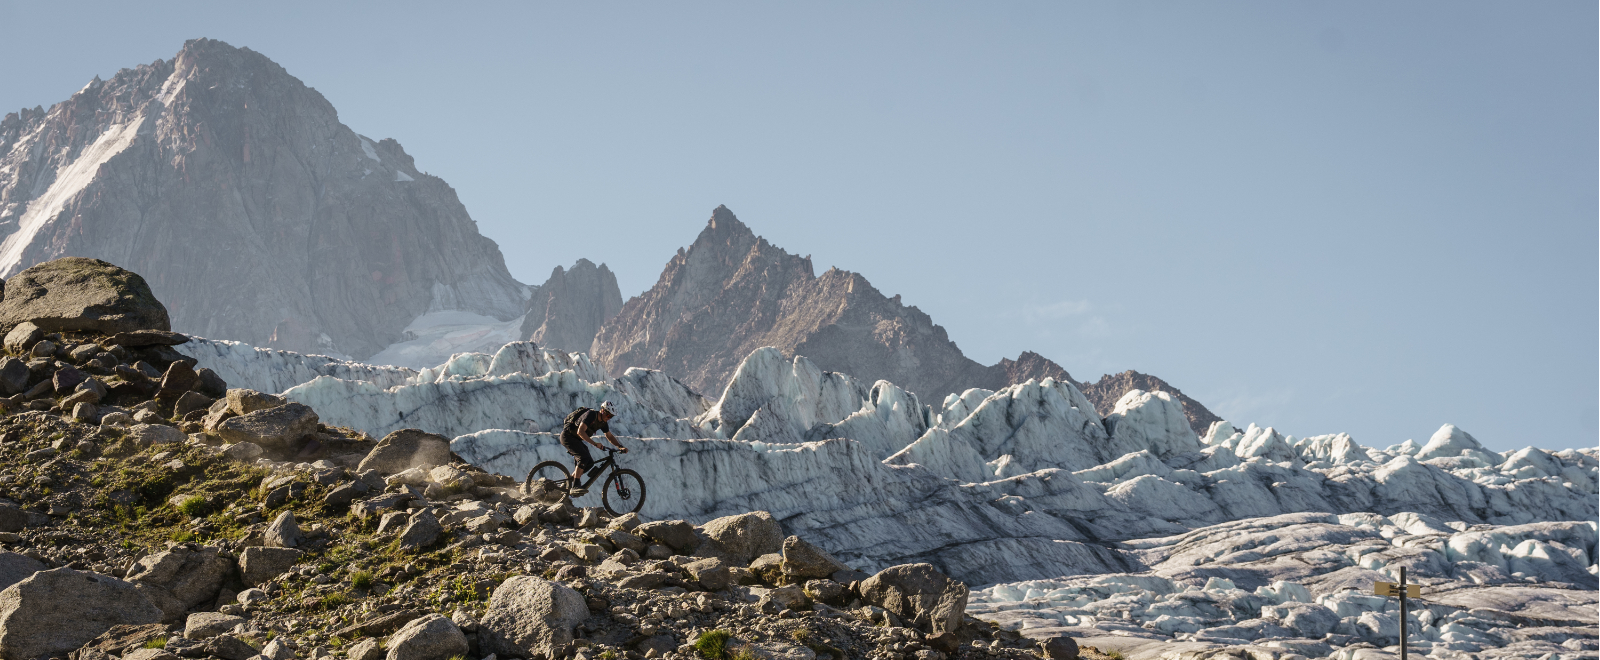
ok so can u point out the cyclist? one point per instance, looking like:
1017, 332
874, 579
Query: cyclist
578, 430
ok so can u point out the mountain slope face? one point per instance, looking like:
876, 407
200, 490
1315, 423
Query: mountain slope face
1110, 388
567, 310
251, 211
732, 292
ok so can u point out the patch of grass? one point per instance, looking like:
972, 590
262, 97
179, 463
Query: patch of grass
334, 601
1114, 654
800, 635
745, 654
608, 654
157, 643
194, 506
713, 644
184, 536
361, 579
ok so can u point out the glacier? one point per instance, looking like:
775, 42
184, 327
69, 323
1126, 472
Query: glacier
1127, 531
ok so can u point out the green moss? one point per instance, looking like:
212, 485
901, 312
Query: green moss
361, 579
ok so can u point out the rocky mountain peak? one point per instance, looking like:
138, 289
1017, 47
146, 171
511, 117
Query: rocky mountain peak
732, 292
1109, 389
566, 311
248, 207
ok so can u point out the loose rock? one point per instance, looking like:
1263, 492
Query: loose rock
54, 612
530, 616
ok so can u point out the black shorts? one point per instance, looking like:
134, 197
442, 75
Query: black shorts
579, 450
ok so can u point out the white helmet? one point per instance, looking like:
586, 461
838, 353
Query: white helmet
608, 408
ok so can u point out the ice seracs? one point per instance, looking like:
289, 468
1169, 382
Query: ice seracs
1127, 525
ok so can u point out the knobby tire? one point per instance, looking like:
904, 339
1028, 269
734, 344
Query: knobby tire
541, 471
613, 500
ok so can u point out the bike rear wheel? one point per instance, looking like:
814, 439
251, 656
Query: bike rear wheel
551, 470
623, 492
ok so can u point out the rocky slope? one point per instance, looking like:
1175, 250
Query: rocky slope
254, 214
149, 512
731, 292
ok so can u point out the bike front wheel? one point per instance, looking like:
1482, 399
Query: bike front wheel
551, 470
623, 492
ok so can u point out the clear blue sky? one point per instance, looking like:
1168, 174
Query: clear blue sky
1368, 217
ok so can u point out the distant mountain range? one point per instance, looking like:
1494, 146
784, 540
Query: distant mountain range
256, 215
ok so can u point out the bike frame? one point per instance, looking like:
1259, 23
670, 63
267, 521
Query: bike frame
608, 464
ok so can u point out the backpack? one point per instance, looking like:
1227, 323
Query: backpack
570, 424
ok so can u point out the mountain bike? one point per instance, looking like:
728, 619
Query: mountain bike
622, 493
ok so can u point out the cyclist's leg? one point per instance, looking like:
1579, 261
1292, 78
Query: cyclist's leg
584, 461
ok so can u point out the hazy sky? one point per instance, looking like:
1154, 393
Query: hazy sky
1357, 216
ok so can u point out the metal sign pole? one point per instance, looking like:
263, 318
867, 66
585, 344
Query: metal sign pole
1402, 613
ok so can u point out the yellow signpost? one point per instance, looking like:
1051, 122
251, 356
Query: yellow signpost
1402, 591
1389, 589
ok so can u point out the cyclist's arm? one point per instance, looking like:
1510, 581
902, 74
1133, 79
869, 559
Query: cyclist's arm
613, 440
587, 435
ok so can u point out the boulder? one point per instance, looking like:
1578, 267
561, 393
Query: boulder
777, 600
529, 616
430, 637
13, 376
190, 402
190, 577
242, 451
243, 401
366, 649
143, 338
22, 337
675, 534
155, 434
278, 649
67, 379
52, 613
712, 573
405, 449
1060, 647
743, 537
15, 568
623, 539
421, 531
805, 561
769, 568
229, 647
274, 429
625, 522
122, 639
258, 564
205, 625
211, 384
179, 378
75, 293
284, 532
149, 654
12, 518
252, 596
827, 591
919, 594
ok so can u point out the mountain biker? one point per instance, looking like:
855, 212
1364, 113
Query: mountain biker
578, 430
